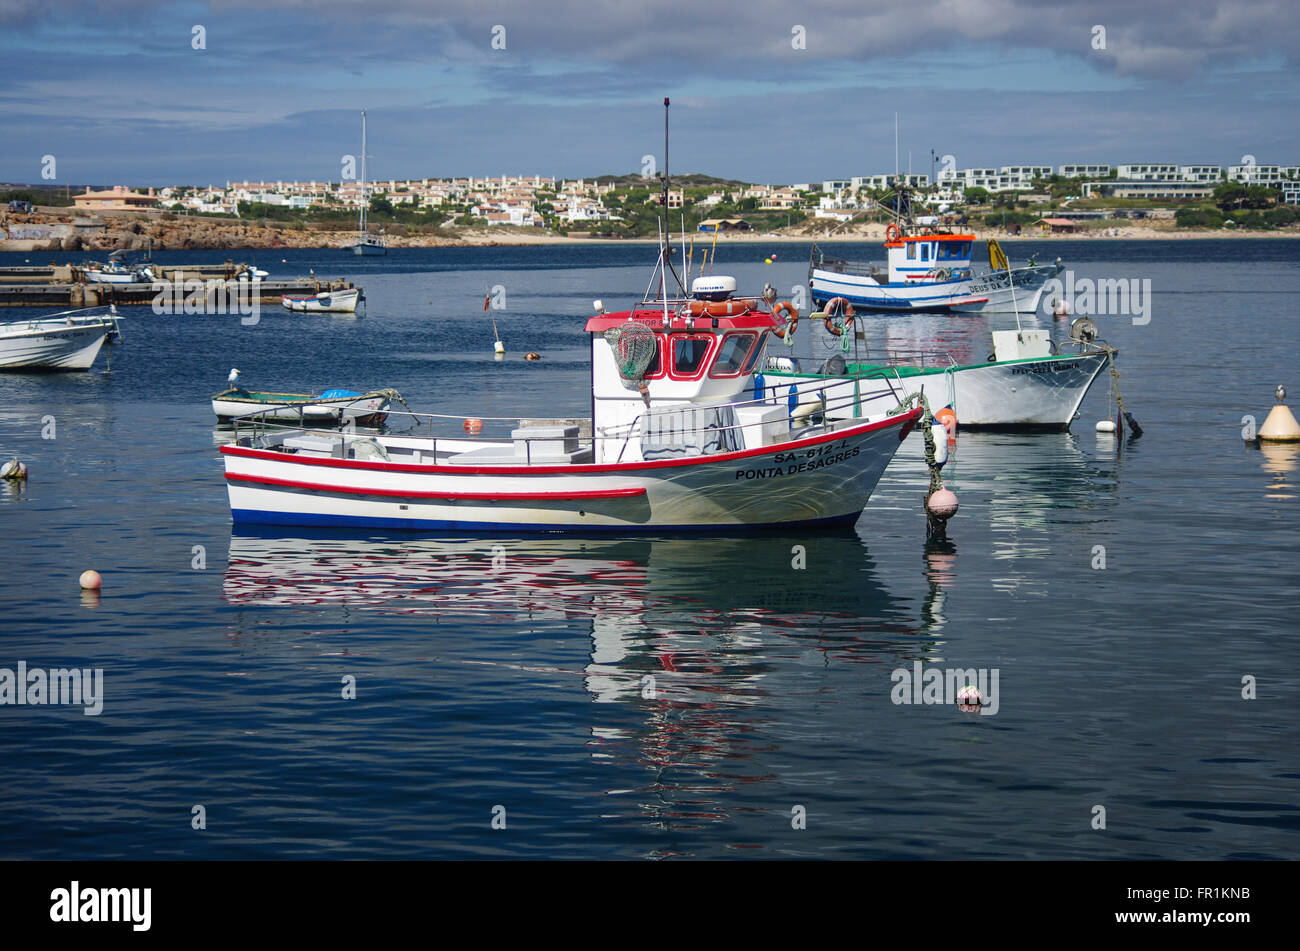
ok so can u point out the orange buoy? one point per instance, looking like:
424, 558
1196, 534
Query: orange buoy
473, 426
532, 355
949, 420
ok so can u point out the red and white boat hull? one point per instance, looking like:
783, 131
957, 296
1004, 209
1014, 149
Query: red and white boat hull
821, 480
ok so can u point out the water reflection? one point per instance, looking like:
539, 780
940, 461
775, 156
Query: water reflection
696, 647
1279, 460
1030, 481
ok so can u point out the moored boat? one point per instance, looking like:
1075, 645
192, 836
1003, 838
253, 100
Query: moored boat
367, 244
928, 268
327, 302
70, 340
677, 442
1028, 382
308, 409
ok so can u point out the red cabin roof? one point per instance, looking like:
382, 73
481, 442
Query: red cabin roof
654, 318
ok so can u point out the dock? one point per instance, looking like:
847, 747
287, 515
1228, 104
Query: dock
64, 286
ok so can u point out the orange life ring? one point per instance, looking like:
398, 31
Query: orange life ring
834, 308
893, 233
719, 308
473, 426
793, 322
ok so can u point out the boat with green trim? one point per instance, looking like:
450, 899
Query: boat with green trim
327, 408
1028, 382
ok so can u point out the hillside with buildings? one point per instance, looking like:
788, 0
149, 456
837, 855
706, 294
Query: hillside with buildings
521, 209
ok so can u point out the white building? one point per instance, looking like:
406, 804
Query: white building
1083, 171
1291, 192
1200, 173
1257, 174
1148, 173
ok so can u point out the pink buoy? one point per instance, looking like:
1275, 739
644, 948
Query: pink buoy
942, 504
969, 698
91, 581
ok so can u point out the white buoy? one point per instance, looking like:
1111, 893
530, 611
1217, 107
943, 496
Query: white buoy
1281, 425
940, 443
499, 347
14, 470
91, 581
1105, 425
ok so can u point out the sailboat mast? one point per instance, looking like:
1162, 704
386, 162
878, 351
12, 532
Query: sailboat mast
365, 196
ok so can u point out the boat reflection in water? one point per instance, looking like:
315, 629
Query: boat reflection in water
697, 655
1029, 484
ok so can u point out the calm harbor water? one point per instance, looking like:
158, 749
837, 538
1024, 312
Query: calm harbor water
511, 672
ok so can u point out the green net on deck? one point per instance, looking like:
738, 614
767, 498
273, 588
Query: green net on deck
634, 346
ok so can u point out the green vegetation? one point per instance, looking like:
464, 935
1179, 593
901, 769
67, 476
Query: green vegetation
37, 196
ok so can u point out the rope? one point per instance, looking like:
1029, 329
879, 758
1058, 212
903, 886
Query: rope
935, 528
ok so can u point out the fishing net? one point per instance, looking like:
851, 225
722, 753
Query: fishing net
634, 346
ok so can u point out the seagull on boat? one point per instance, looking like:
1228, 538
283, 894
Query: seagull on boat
234, 375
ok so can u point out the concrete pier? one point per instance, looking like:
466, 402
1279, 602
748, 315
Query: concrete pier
67, 294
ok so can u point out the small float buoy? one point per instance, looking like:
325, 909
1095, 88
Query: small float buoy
473, 426
942, 504
1060, 308
969, 698
532, 355
767, 260
13, 470
1105, 425
1281, 425
91, 581
499, 347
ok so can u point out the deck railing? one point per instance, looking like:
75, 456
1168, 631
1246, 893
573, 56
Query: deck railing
254, 428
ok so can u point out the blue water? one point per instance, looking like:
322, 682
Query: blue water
504, 672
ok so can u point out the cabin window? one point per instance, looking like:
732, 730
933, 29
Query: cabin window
688, 355
754, 354
733, 354
656, 366
911, 251
925, 252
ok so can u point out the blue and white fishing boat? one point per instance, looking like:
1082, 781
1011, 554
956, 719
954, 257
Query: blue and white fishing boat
928, 268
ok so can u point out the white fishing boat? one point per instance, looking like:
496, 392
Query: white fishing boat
1028, 381
117, 271
307, 409
928, 268
677, 442
366, 244
326, 302
70, 340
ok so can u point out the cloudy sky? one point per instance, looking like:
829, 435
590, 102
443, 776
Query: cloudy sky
765, 90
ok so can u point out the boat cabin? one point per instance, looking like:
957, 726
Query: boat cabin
929, 258
705, 351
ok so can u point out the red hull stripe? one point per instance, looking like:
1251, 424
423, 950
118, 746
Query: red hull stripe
469, 496
572, 469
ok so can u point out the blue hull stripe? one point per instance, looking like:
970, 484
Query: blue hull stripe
255, 517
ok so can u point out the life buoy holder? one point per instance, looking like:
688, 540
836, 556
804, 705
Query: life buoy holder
893, 233
720, 308
836, 307
788, 329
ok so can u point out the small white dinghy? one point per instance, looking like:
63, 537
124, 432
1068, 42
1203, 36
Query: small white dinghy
326, 302
70, 340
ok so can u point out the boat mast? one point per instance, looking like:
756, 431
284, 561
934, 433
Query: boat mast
365, 196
